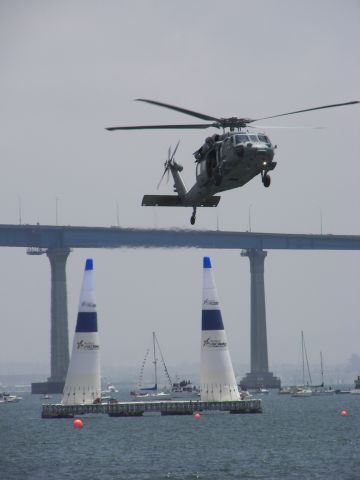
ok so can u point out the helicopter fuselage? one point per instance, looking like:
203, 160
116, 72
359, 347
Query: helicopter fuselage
229, 161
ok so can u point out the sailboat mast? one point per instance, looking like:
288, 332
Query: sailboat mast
307, 362
322, 370
302, 356
155, 361
164, 364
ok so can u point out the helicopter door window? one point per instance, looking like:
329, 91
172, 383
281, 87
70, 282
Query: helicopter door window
254, 138
241, 139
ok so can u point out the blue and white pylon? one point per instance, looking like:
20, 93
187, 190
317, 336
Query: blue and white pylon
217, 378
82, 384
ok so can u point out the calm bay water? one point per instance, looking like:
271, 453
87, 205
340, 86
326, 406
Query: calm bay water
294, 438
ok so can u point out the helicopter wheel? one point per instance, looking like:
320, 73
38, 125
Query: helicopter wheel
266, 179
193, 216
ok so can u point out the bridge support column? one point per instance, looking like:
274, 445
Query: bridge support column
259, 375
59, 324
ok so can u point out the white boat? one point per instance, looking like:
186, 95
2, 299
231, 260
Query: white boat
46, 396
263, 391
109, 389
245, 394
184, 389
259, 391
323, 391
287, 390
149, 393
303, 390
7, 398
106, 399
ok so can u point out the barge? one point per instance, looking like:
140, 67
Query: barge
137, 409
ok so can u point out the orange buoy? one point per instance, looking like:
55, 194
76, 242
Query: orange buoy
197, 416
343, 413
78, 423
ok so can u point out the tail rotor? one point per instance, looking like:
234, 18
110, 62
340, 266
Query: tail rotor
169, 162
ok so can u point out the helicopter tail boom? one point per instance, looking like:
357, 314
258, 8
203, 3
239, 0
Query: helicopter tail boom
176, 201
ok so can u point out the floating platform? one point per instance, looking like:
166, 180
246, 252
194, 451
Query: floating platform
137, 409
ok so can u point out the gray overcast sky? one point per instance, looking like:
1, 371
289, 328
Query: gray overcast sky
71, 68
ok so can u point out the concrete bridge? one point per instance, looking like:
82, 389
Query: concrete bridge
57, 241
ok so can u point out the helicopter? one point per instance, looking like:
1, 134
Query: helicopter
225, 161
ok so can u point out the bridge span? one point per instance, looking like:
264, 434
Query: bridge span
45, 236
58, 241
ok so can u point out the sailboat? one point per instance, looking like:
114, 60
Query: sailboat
320, 389
151, 392
303, 391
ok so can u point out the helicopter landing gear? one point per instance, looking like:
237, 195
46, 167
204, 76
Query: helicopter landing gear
193, 216
266, 179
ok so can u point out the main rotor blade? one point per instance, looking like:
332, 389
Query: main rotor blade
308, 110
154, 127
179, 109
283, 127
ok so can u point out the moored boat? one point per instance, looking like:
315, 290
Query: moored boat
184, 389
259, 391
151, 393
7, 398
287, 390
323, 391
356, 390
46, 396
319, 390
302, 392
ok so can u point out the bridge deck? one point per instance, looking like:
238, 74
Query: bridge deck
39, 236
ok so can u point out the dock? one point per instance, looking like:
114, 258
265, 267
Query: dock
137, 409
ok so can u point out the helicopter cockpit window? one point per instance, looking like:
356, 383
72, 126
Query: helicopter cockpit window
241, 138
264, 139
253, 138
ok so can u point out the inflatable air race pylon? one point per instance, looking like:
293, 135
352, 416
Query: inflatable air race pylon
217, 378
82, 384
